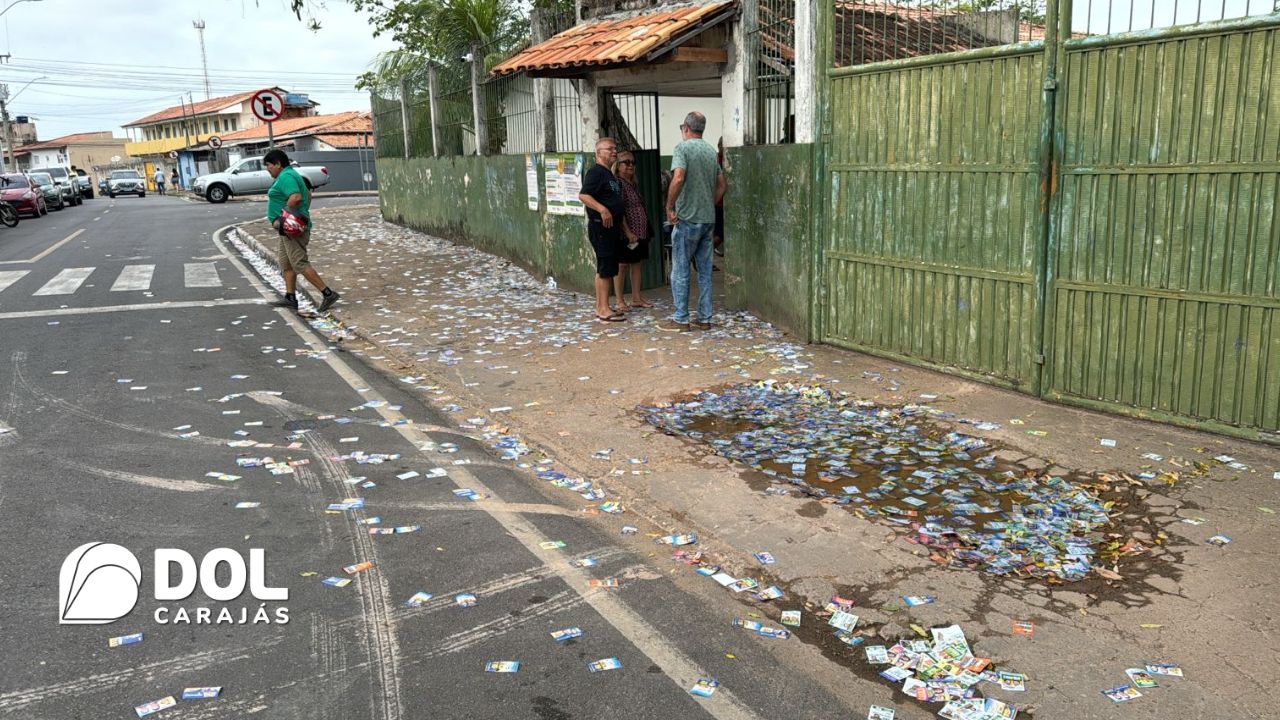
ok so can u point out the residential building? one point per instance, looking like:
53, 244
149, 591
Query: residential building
153, 137
338, 131
87, 151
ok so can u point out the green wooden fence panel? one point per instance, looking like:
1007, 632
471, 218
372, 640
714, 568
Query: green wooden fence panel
1165, 289
931, 253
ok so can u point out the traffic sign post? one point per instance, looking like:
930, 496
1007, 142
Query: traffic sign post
268, 106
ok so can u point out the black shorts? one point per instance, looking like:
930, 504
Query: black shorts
606, 242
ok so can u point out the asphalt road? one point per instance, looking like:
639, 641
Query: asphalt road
125, 326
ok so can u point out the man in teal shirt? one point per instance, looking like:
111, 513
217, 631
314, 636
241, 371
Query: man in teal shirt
697, 185
290, 190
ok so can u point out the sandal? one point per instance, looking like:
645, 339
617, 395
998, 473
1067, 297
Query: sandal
612, 318
641, 304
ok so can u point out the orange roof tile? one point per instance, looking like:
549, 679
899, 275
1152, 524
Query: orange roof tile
618, 41
353, 122
204, 107
349, 140
73, 139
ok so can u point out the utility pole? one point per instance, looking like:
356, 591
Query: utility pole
204, 58
8, 134
186, 127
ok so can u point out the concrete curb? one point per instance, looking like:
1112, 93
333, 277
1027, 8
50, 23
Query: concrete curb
189, 196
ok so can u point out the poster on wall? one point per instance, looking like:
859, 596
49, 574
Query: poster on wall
563, 184
531, 180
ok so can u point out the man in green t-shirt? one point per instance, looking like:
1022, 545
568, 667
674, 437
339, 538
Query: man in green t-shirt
290, 190
697, 185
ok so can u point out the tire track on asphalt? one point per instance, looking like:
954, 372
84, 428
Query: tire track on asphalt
187, 486
679, 668
187, 664
375, 597
73, 409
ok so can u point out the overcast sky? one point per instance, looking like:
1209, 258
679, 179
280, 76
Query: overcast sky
107, 62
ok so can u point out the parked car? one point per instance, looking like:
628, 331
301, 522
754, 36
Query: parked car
126, 182
66, 182
85, 184
49, 189
17, 190
250, 177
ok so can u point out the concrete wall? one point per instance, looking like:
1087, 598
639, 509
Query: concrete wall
768, 249
481, 201
346, 167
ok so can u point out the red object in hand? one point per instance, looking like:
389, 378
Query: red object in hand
292, 224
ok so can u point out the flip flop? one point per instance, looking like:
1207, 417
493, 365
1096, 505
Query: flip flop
635, 304
611, 318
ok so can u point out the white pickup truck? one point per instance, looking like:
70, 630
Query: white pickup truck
250, 177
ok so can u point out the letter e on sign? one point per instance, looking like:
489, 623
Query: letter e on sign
267, 105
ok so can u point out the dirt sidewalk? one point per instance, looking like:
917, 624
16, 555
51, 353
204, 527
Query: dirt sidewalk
483, 339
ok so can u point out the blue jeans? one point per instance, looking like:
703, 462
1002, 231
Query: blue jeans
691, 241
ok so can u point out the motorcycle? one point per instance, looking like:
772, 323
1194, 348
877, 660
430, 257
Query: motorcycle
8, 214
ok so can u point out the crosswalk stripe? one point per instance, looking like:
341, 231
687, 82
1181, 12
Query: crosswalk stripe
9, 277
201, 275
134, 277
66, 282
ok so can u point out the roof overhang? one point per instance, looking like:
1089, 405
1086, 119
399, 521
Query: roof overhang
622, 42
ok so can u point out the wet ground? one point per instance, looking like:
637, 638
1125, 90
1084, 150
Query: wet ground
490, 337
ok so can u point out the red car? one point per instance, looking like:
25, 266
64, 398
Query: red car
18, 190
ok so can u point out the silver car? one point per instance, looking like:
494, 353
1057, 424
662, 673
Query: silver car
126, 182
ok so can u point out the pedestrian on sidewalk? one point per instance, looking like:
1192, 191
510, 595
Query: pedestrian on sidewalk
290, 191
635, 234
697, 184
602, 196
159, 179
174, 182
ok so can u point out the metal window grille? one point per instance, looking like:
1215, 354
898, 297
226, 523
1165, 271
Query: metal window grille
389, 141
457, 120
869, 32
631, 119
1104, 17
770, 86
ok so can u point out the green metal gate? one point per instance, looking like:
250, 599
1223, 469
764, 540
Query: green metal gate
933, 243
1087, 215
1165, 293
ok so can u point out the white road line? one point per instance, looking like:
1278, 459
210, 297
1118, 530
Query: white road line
201, 275
125, 308
9, 277
47, 250
134, 277
66, 282
678, 667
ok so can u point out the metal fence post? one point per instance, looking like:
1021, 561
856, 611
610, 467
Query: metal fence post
373, 113
477, 101
433, 90
544, 103
1046, 226
404, 112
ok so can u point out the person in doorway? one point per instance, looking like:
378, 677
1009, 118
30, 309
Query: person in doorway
697, 184
159, 179
290, 191
174, 182
602, 196
635, 234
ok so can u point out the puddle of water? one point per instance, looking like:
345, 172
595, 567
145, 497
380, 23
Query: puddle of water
948, 491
